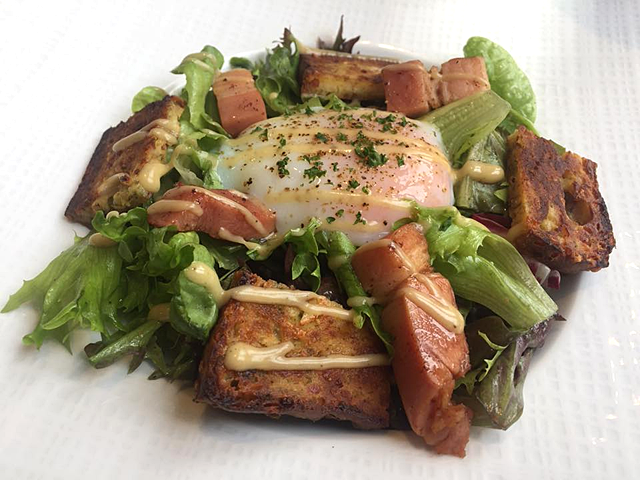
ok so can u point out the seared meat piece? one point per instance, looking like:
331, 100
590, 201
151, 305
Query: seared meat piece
428, 357
383, 265
111, 180
358, 395
239, 102
410, 89
462, 77
558, 215
427, 360
198, 209
349, 77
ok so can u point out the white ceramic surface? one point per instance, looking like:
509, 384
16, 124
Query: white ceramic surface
69, 70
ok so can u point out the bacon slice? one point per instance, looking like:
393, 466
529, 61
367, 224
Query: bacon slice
410, 89
213, 210
428, 358
239, 102
382, 265
462, 77
406, 88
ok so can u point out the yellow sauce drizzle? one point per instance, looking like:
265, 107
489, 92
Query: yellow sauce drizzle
480, 172
165, 206
249, 217
242, 356
201, 274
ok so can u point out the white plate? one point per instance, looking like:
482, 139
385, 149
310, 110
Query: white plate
59, 418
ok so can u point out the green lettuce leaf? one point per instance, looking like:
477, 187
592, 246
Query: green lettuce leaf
197, 167
339, 247
193, 310
146, 96
276, 76
200, 70
477, 196
127, 344
484, 267
467, 121
305, 264
497, 400
507, 80
78, 289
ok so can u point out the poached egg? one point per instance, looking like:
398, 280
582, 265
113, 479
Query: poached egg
358, 170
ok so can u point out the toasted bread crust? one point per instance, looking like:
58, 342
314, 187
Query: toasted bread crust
359, 395
105, 163
348, 77
558, 213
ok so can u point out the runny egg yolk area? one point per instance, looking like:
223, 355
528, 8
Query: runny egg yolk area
356, 170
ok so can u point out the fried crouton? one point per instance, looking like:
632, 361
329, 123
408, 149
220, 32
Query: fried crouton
358, 395
349, 77
110, 182
559, 217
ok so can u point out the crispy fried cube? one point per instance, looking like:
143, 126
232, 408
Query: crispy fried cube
358, 395
117, 170
559, 217
349, 77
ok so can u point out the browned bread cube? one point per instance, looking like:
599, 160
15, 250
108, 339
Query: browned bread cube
349, 77
358, 395
109, 182
559, 217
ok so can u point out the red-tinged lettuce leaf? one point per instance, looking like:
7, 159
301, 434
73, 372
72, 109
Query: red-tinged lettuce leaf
497, 400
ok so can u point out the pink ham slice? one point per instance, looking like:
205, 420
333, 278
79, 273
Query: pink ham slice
230, 210
428, 358
411, 89
239, 102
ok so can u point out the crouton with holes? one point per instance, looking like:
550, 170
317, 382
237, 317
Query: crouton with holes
112, 179
358, 395
558, 214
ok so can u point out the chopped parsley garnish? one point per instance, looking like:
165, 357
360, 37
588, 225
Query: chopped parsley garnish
330, 219
283, 141
257, 129
340, 212
403, 122
264, 136
364, 149
366, 190
308, 110
400, 159
282, 167
334, 166
322, 137
386, 120
353, 184
359, 219
311, 158
371, 156
315, 172
341, 137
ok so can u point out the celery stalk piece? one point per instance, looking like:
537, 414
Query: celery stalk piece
465, 122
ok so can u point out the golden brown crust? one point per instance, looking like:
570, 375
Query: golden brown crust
359, 395
105, 163
348, 77
559, 216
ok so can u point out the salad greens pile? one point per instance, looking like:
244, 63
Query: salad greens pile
137, 298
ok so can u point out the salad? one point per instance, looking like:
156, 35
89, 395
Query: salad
324, 234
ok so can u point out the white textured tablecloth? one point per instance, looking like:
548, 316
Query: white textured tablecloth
69, 70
